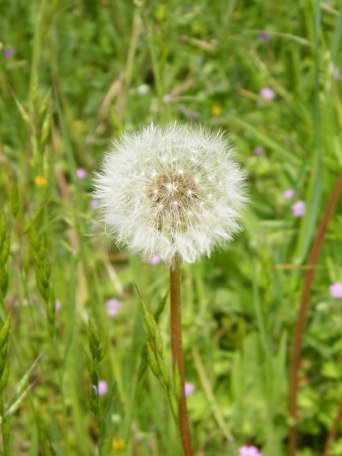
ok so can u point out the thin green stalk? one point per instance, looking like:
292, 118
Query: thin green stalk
211, 400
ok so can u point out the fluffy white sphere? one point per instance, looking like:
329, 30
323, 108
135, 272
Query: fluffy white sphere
169, 191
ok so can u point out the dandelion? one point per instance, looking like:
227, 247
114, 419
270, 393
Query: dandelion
249, 450
81, 173
298, 209
118, 444
259, 150
176, 193
171, 192
113, 306
289, 193
189, 388
267, 94
216, 110
101, 388
40, 181
336, 290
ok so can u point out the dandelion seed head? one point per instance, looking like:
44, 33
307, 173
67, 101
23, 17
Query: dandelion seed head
153, 192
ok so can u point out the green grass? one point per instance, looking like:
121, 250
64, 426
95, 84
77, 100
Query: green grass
84, 71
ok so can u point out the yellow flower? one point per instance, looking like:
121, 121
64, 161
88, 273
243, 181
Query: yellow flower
118, 444
216, 110
40, 181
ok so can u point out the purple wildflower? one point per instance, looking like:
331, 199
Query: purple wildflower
168, 98
267, 93
189, 388
289, 194
249, 450
81, 173
336, 290
101, 388
298, 208
154, 260
94, 204
9, 53
58, 305
264, 36
259, 150
113, 306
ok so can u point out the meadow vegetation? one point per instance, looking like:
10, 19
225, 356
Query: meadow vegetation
74, 372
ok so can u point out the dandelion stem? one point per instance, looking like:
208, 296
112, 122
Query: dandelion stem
302, 311
333, 431
177, 355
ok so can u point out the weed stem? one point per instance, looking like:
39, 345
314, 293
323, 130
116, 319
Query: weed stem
302, 311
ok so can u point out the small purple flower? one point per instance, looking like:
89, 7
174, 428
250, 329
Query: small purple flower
298, 208
113, 306
336, 290
189, 388
267, 93
94, 204
259, 150
249, 450
264, 36
81, 173
58, 305
154, 260
289, 194
168, 98
9, 53
101, 388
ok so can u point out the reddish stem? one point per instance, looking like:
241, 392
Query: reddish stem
177, 355
300, 324
333, 431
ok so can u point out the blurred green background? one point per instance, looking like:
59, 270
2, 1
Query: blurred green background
74, 75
